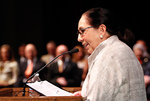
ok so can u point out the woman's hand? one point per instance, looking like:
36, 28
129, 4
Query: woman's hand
78, 93
62, 81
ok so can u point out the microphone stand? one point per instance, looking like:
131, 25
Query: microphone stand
72, 51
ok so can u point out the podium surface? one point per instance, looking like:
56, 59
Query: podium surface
12, 94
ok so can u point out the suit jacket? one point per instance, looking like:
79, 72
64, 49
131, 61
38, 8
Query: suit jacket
146, 69
47, 58
70, 73
37, 65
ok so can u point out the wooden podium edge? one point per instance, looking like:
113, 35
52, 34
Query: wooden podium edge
6, 91
51, 98
7, 94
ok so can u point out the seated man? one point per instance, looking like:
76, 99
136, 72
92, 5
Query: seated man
50, 47
64, 72
30, 66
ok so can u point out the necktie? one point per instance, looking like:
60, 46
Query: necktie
60, 66
29, 70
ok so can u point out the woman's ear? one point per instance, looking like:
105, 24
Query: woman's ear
102, 29
103, 33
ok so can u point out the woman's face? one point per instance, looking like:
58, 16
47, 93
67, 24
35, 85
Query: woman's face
4, 54
90, 37
138, 53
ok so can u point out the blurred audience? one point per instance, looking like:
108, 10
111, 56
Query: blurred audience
64, 72
81, 61
140, 50
30, 66
51, 47
143, 43
8, 67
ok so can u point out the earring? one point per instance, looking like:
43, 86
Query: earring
101, 36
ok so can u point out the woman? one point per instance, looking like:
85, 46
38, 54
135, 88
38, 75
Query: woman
114, 72
8, 67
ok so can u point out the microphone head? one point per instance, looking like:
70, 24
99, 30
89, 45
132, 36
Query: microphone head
74, 50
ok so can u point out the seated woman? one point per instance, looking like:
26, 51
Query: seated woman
8, 67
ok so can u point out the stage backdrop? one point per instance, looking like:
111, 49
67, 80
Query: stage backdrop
39, 21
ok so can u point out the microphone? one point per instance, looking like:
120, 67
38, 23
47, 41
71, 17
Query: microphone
74, 51
68, 52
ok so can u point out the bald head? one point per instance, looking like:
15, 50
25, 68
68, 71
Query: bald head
61, 49
142, 42
30, 51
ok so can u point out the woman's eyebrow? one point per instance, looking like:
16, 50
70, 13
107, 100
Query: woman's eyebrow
80, 28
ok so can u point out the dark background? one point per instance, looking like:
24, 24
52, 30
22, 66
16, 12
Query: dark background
38, 21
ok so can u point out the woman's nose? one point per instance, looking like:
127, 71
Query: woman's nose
80, 39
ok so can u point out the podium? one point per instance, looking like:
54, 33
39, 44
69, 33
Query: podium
12, 94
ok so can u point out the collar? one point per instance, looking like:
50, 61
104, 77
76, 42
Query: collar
34, 60
101, 47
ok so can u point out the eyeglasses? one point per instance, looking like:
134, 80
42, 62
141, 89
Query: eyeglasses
82, 30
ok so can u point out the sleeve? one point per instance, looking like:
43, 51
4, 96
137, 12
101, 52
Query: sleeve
104, 83
43, 73
15, 71
52, 77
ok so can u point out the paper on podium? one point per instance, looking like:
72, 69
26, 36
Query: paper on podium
48, 89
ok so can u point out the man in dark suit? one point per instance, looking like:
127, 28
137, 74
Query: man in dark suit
64, 72
21, 53
30, 65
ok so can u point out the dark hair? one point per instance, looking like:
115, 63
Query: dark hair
98, 16
10, 51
